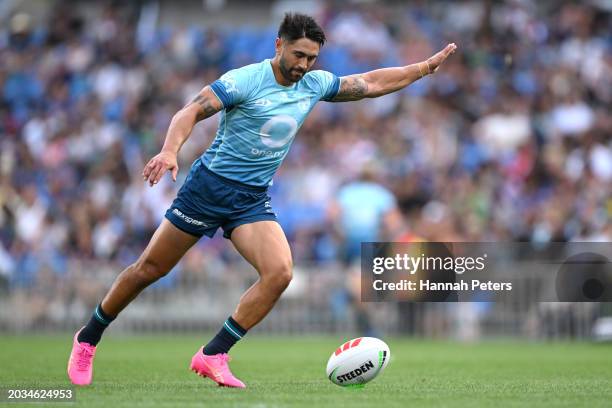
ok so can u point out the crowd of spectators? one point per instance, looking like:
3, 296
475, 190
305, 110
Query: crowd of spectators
510, 140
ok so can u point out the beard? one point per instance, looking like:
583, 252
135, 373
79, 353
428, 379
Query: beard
290, 74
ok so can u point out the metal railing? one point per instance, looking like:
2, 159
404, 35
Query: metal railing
317, 301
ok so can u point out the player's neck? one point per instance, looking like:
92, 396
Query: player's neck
280, 79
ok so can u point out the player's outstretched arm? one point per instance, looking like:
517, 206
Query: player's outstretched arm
204, 105
386, 80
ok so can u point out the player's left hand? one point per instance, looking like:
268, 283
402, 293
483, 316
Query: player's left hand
434, 62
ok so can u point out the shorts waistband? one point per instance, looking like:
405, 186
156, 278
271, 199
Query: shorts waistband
234, 183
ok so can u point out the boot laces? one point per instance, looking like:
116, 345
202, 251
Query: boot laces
84, 357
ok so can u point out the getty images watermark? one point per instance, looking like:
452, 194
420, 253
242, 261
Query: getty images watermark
441, 272
423, 263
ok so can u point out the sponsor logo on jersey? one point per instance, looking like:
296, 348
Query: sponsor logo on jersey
267, 153
278, 131
229, 82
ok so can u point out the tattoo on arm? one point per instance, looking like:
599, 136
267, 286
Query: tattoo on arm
207, 104
352, 88
206, 108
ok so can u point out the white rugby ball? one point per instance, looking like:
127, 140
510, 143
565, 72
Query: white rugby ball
358, 361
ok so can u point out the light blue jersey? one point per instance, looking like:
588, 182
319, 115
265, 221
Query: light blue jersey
363, 205
260, 119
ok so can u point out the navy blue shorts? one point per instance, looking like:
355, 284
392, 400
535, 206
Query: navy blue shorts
208, 201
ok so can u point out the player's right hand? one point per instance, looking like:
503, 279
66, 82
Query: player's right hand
157, 166
434, 62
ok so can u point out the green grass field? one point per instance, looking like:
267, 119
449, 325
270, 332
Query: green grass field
290, 372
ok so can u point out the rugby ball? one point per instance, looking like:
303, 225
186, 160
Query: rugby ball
358, 361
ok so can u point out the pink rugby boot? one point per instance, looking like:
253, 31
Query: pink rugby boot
216, 368
80, 364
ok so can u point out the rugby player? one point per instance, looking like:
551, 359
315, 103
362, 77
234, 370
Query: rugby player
262, 106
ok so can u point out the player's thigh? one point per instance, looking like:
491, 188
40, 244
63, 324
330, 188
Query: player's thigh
264, 245
166, 247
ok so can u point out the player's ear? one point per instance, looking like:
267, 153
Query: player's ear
278, 45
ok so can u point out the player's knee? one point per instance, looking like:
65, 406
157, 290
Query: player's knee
281, 274
148, 270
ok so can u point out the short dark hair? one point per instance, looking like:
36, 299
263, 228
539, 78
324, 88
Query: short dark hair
295, 26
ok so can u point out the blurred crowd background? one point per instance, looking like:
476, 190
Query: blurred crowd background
509, 141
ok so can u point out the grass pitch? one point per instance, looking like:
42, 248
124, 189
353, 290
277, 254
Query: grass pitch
152, 371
